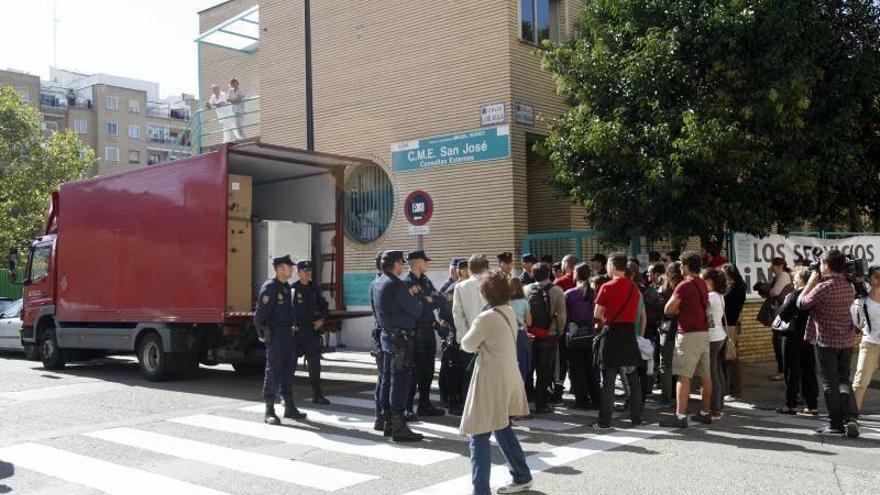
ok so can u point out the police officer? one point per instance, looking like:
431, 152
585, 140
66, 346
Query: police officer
505, 263
379, 425
274, 320
310, 310
453, 275
397, 308
425, 344
528, 262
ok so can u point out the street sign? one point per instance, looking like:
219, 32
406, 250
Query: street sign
525, 114
491, 143
418, 207
493, 114
419, 230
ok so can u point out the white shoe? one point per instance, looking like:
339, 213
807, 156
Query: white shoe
514, 488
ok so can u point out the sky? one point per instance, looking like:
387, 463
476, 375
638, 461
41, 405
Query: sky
143, 39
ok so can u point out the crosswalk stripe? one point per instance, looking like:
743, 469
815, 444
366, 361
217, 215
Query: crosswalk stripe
339, 443
543, 461
296, 472
365, 423
61, 391
107, 477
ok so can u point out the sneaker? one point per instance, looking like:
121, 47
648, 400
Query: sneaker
717, 414
706, 419
674, 422
597, 426
830, 430
811, 412
731, 398
852, 429
516, 487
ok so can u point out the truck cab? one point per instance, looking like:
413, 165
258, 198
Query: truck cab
39, 289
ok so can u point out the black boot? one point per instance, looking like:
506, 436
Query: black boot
290, 410
320, 400
379, 425
388, 427
270, 417
428, 409
400, 432
410, 417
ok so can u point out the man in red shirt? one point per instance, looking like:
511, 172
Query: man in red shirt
566, 281
617, 306
689, 302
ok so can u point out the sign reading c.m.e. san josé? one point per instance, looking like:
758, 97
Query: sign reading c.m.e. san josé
491, 143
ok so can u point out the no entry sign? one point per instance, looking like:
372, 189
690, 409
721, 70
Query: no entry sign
418, 208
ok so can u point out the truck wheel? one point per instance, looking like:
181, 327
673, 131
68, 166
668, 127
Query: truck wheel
31, 352
154, 361
53, 356
248, 367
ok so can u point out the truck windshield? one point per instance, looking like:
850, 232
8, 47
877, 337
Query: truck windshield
40, 263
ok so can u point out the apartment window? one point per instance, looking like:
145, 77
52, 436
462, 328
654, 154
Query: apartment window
112, 103
52, 126
157, 134
154, 159
134, 157
134, 131
111, 155
539, 20
369, 203
112, 129
23, 93
134, 106
81, 126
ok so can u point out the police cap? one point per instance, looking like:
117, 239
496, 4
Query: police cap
529, 258
284, 260
455, 261
417, 255
392, 256
304, 265
505, 257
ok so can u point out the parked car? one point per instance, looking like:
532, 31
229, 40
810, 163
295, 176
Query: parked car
4, 302
10, 331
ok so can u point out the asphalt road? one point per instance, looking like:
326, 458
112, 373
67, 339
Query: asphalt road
100, 428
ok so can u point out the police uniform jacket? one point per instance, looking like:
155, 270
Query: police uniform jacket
274, 307
308, 304
426, 290
395, 307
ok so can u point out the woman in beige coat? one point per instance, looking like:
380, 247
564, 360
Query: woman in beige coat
496, 392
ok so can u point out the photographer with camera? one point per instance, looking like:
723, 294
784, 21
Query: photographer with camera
829, 295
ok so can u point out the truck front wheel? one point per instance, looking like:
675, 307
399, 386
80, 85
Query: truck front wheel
53, 356
154, 361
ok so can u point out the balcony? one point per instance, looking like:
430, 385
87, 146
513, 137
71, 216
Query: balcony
167, 111
210, 127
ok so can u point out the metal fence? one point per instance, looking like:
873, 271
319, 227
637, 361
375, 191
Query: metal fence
9, 289
586, 244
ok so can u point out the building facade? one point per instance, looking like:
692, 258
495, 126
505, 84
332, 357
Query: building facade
123, 120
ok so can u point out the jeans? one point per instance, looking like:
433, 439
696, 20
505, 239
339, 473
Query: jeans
584, 376
777, 350
560, 368
834, 365
481, 459
609, 376
799, 365
544, 353
716, 370
869, 361
524, 355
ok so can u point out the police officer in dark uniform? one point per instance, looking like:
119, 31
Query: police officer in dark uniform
505, 263
397, 308
426, 343
453, 275
377, 350
274, 321
310, 310
528, 261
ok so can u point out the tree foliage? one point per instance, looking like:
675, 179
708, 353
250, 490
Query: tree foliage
31, 168
698, 118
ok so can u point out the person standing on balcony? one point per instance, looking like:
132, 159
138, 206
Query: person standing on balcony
236, 96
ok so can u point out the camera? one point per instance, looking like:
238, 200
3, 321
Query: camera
854, 270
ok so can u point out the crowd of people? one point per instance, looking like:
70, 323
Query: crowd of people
665, 333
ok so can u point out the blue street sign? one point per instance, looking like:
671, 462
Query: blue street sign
491, 143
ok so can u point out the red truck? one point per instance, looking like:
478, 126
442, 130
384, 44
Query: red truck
144, 261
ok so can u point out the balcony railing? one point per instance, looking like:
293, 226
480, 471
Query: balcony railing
210, 127
165, 111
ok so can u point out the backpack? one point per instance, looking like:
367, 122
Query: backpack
539, 305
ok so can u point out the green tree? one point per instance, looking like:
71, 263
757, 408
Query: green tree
31, 168
698, 118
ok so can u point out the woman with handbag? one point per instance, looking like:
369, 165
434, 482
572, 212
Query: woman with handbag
583, 373
798, 356
496, 391
716, 282
734, 300
668, 328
